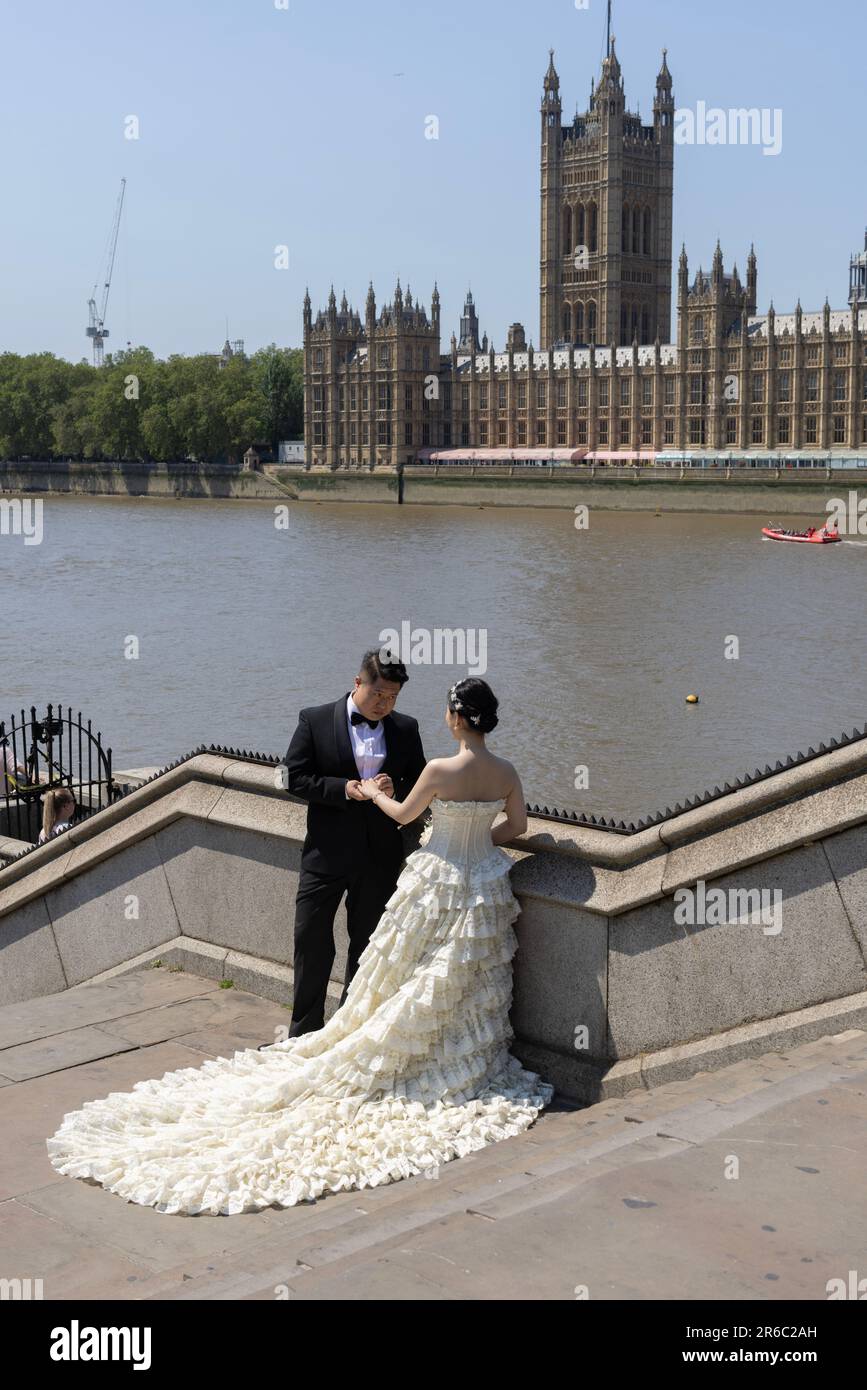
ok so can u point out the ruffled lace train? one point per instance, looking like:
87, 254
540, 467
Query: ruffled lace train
412, 1071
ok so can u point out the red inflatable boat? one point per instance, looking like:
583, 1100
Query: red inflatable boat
824, 535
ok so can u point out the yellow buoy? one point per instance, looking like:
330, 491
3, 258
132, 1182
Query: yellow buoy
692, 699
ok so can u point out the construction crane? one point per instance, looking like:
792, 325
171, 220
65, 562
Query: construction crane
96, 329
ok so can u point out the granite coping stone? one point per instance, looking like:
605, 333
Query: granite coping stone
705, 841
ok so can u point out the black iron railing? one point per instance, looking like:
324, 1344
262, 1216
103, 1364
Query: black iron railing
38, 755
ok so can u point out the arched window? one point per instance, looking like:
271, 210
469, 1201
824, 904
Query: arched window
579, 323
636, 231
591, 322
407, 359
698, 329
624, 323
319, 357
645, 326
567, 323
567, 232
580, 230
647, 250
594, 227
625, 230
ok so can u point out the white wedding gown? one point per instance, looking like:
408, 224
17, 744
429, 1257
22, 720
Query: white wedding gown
412, 1071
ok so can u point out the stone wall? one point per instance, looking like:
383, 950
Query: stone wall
647, 488
199, 868
768, 493
137, 480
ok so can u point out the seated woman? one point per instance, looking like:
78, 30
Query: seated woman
58, 809
15, 774
8, 764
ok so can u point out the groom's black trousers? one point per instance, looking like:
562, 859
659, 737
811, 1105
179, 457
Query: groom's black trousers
350, 847
319, 896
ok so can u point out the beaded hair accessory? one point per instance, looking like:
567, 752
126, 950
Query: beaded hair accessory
459, 707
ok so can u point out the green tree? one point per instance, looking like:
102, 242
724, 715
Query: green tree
138, 407
278, 374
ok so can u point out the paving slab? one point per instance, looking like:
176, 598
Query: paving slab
234, 1036
146, 1236
69, 1263
59, 1053
97, 1003
190, 1015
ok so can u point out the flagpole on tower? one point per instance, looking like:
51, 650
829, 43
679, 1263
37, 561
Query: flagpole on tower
608, 37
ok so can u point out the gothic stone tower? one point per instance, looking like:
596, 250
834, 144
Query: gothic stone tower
607, 184
367, 383
713, 317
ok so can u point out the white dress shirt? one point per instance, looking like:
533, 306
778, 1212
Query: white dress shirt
368, 745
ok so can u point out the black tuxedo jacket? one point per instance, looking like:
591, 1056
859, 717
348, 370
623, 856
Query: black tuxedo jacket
342, 834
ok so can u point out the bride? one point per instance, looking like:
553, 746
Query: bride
413, 1070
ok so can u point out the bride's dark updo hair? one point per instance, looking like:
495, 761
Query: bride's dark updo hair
476, 702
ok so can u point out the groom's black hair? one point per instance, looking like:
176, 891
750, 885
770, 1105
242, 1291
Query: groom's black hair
374, 668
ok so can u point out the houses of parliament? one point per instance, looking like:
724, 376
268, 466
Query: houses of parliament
604, 383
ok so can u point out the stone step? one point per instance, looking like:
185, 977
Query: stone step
309, 1246
355, 1215
317, 1239
342, 1220
300, 1265
539, 1166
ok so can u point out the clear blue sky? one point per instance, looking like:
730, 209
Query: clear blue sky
305, 126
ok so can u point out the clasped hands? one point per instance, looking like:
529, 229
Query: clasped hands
364, 790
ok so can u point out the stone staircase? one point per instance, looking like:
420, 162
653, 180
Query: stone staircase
627, 1198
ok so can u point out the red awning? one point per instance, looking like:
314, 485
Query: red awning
536, 454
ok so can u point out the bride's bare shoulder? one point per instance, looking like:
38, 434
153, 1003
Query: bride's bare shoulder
506, 767
436, 773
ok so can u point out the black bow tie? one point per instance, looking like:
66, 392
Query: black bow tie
357, 718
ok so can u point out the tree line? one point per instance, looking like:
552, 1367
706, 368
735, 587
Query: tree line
138, 408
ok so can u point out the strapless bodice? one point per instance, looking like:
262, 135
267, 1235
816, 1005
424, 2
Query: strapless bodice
460, 831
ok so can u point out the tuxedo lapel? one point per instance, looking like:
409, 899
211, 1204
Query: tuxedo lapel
343, 754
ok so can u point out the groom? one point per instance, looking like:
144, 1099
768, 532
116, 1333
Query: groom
351, 846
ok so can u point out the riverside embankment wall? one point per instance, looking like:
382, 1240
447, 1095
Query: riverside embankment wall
136, 480
613, 989
770, 493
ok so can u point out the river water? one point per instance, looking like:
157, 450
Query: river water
593, 637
